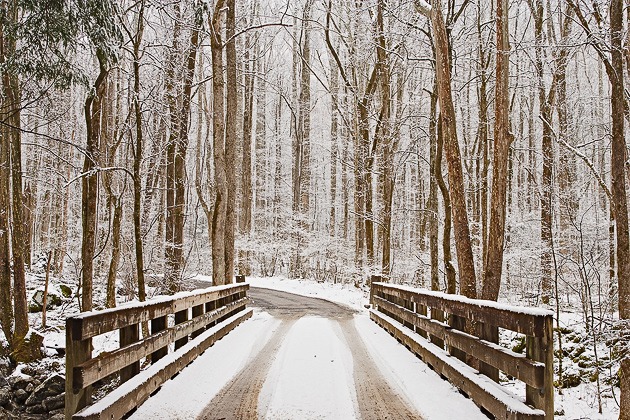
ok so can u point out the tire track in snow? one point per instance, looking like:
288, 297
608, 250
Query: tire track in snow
377, 400
239, 398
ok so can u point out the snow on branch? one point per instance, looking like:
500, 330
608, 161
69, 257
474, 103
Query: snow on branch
423, 7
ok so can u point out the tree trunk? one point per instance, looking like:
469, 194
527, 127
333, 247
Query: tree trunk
218, 133
245, 220
230, 139
115, 259
618, 178
137, 159
89, 183
432, 202
502, 141
6, 290
171, 263
334, 147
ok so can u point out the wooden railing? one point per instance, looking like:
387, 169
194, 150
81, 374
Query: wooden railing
215, 312
444, 330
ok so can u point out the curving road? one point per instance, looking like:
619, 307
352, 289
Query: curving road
239, 399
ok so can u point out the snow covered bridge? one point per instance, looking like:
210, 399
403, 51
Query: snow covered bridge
304, 358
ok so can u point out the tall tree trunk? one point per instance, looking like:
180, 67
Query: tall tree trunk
502, 141
230, 139
180, 155
388, 139
89, 183
218, 133
6, 290
115, 259
334, 147
171, 263
11, 133
432, 201
277, 178
245, 220
618, 178
137, 158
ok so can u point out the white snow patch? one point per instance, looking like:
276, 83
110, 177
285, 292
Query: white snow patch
311, 378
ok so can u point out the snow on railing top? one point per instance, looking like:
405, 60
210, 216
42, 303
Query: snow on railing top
478, 302
156, 300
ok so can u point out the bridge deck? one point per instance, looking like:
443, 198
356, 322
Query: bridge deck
305, 358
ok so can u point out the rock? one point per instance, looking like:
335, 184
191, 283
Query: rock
36, 409
5, 366
30, 348
30, 387
37, 301
21, 395
7, 414
57, 417
5, 395
53, 386
19, 381
66, 291
55, 402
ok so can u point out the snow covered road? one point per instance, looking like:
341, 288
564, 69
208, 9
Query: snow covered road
306, 358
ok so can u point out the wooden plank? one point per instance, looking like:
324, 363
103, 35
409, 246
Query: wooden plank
181, 317
483, 391
77, 352
456, 323
157, 325
541, 349
489, 333
197, 311
421, 310
91, 324
479, 311
514, 364
121, 401
129, 335
107, 363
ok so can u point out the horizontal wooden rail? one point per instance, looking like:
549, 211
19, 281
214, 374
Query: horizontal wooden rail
215, 312
417, 318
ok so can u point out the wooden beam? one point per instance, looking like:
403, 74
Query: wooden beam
483, 391
105, 364
514, 364
118, 403
523, 320
90, 324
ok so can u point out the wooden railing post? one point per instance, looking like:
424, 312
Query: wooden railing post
438, 315
129, 335
197, 311
489, 333
422, 310
541, 350
458, 323
181, 316
77, 352
240, 278
158, 324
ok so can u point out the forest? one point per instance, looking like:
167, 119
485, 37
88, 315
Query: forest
465, 146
